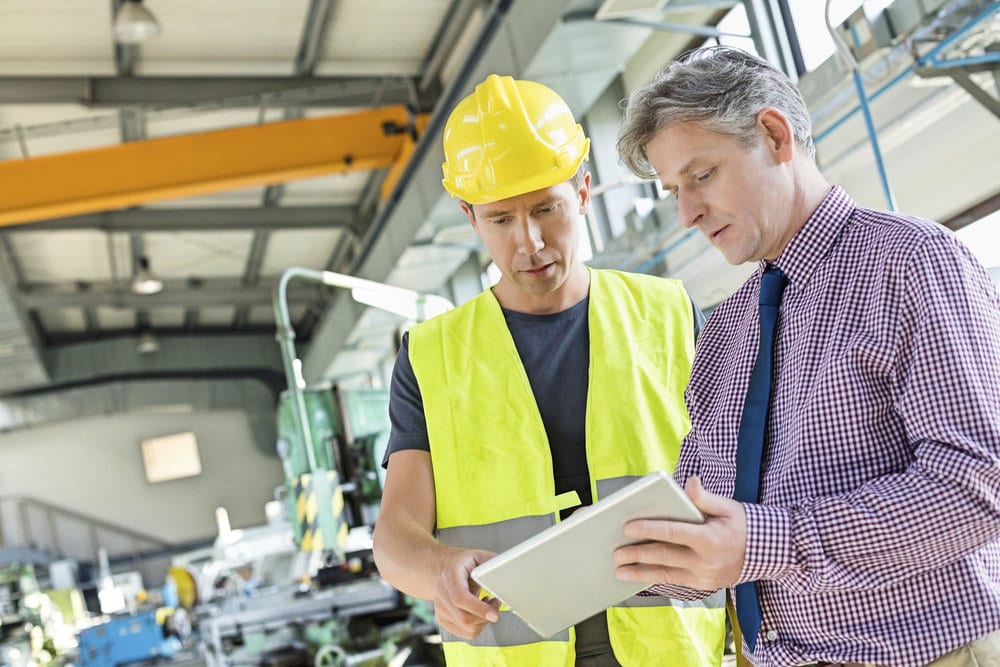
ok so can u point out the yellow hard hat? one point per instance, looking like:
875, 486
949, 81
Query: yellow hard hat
510, 137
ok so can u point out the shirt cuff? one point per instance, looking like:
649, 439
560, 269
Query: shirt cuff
769, 552
675, 591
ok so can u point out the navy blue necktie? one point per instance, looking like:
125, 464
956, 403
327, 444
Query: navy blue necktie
750, 441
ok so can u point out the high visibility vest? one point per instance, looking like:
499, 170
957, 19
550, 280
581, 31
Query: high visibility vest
493, 478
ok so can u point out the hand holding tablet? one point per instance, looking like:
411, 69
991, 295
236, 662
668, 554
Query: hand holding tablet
566, 573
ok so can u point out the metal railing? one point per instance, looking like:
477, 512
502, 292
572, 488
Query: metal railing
60, 532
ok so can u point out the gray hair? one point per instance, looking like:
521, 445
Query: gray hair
720, 88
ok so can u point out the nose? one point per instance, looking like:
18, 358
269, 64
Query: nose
690, 209
529, 237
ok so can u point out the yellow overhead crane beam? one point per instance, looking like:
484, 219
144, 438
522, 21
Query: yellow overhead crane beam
139, 172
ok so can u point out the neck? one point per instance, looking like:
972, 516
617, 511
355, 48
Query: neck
809, 189
574, 289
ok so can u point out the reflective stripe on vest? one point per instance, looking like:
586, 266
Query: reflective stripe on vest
490, 494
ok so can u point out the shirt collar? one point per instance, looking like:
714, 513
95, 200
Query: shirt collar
806, 250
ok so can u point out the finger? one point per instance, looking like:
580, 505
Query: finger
462, 591
462, 599
464, 630
480, 609
661, 530
657, 554
651, 574
705, 500
462, 617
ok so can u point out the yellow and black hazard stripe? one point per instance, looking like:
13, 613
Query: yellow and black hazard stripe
319, 532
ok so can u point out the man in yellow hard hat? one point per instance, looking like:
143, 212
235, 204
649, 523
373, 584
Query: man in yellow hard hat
551, 390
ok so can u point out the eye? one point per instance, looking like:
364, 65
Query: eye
500, 221
701, 178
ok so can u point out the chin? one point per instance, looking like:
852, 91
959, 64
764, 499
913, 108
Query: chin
731, 257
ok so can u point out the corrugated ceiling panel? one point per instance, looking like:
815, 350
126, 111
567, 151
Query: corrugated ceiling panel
426, 268
65, 256
115, 318
63, 320
18, 355
264, 315
242, 37
241, 198
56, 37
55, 128
171, 124
374, 327
166, 318
340, 189
77, 141
198, 254
216, 316
361, 31
310, 248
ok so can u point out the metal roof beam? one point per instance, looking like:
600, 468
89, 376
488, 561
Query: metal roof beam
212, 92
188, 165
251, 272
313, 36
204, 220
448, 34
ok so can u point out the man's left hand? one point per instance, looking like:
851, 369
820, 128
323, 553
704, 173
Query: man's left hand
706, 556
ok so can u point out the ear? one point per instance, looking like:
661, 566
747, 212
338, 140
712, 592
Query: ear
584, 194
777, 134
467, 209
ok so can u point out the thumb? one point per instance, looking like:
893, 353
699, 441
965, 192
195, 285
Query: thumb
480, 556
703, 499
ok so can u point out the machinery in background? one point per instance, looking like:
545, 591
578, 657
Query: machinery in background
24, 612
349, 431
303, 589
263, 601
141, 636
323, 457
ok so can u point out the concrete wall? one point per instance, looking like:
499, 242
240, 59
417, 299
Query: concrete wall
94, 467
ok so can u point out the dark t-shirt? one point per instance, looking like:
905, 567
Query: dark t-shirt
555, 353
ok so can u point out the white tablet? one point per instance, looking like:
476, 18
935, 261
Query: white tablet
566, 574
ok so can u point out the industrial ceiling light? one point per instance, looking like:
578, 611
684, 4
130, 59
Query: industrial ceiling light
134, 23
144, 282
147, 343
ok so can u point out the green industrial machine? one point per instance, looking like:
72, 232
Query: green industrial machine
320, 600
330, 441
315, 499
348, 432
366, 426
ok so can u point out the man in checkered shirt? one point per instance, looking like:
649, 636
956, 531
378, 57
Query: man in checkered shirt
876, 535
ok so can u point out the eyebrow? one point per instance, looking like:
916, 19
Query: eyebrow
548, 201
691, 165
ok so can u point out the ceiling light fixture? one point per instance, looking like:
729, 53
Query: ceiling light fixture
144, 282
147, 343
134, 23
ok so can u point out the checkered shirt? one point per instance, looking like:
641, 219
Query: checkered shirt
877, 535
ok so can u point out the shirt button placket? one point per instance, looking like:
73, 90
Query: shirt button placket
771, 635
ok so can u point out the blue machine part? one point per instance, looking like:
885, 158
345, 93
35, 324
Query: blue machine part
123, 640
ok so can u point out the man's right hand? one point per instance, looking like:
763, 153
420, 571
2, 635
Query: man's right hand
456, 599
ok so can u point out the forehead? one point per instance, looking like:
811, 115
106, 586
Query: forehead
681, 147
527, 200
